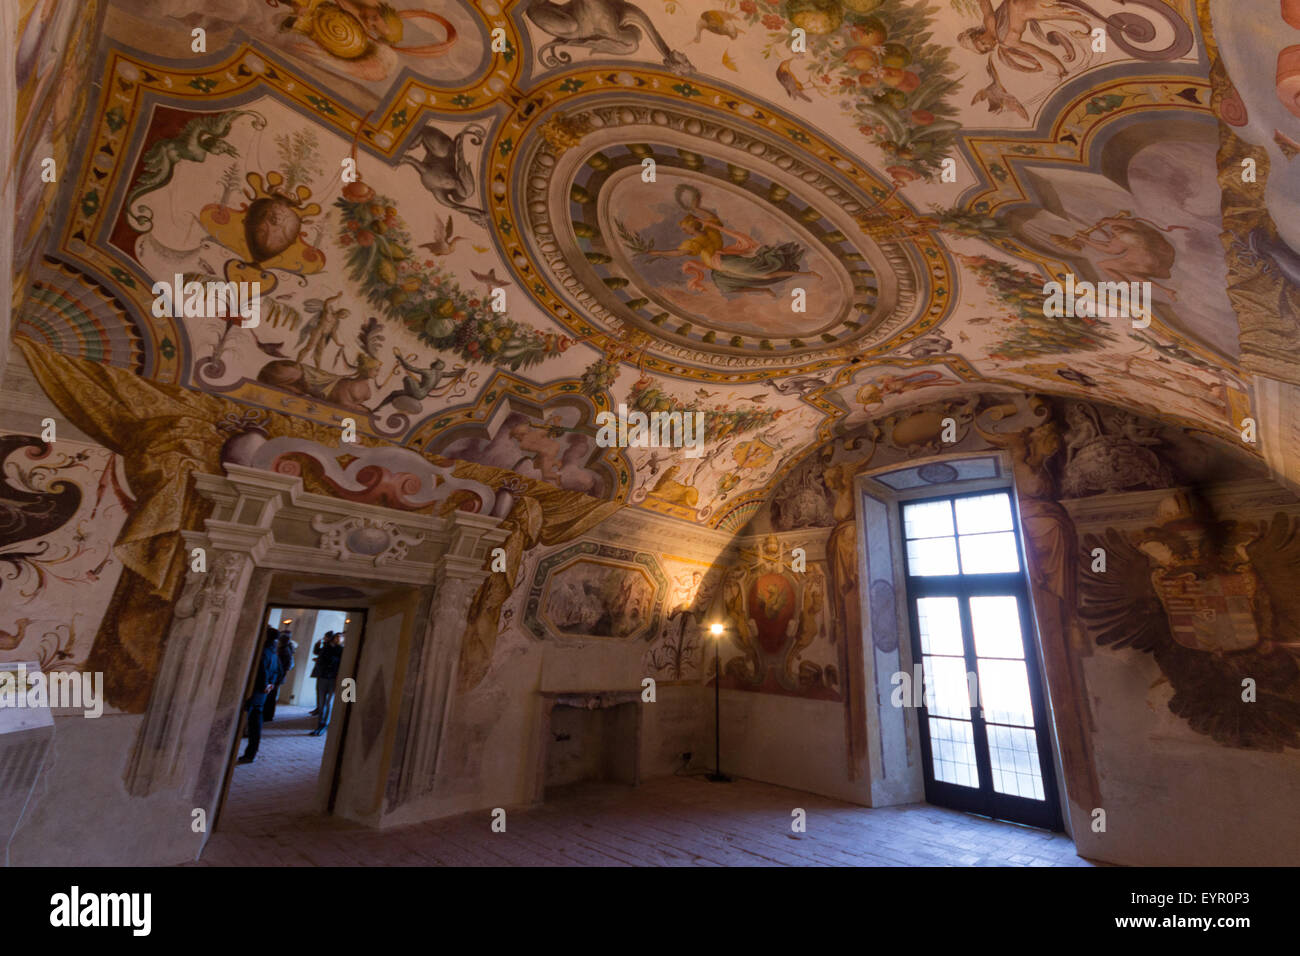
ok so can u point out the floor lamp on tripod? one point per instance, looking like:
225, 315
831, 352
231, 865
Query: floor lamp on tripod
717, 631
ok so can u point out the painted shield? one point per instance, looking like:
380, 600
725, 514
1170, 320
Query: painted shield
772, 607
1211, 613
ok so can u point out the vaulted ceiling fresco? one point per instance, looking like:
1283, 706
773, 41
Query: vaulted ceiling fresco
560, 208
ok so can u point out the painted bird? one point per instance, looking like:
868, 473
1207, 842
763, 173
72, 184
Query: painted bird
704, 393
997, 96
756, 399
785, 76
270, 348
490, 279
443, 241
716, 21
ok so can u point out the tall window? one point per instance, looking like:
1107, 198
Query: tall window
983, 721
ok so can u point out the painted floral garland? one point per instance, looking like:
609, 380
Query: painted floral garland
646, 396
1032, 333
420, 295
879, 56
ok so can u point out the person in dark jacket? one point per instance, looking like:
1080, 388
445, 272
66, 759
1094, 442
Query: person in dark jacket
284, 651
329, 652
315, 669
268, 674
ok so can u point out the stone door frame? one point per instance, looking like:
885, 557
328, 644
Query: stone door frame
264, 522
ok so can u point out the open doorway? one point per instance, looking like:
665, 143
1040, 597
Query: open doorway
302, 632
293, 708
297, 776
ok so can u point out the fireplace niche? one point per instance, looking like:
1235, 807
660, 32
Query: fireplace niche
588, 736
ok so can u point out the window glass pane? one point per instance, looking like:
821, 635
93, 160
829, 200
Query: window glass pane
988, 553
939, 621
1004, 692
952, 751
946, 687
1013, 754
984, 513
931, 556
927, 519
996, 622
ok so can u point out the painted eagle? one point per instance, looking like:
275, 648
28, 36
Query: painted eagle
1214, 603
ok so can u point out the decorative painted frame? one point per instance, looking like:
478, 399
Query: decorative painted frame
592, 552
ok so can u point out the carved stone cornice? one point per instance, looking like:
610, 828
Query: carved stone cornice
379, 540
593, 699
1255, 498
812, 540
674, 536
269, 516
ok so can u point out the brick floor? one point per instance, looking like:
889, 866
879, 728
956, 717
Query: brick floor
671, 821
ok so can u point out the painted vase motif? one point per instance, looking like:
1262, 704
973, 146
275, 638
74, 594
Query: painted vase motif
271, 226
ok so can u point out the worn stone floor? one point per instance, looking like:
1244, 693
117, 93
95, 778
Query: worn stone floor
672, 821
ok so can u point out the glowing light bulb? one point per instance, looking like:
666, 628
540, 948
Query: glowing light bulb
715, 629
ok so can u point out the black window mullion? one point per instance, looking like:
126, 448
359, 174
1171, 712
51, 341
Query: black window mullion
978, 730
963, 586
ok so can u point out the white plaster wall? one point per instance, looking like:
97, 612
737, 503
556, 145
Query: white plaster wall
789, 741
80, 813
674, 725
491, 756
1174, 797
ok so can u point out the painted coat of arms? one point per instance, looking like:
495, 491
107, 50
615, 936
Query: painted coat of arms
1212, 602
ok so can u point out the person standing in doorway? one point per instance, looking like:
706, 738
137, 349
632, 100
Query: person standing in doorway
264, 681
315, 669
284, 651
329, 653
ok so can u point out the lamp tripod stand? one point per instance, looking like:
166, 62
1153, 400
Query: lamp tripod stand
717, 776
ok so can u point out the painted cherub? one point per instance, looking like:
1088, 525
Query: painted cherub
1003, 33
544, 443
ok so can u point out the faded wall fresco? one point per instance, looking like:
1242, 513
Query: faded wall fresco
63, 506
1195, 597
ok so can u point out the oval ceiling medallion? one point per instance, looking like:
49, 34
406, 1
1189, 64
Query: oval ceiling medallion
720, 243
712, 253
